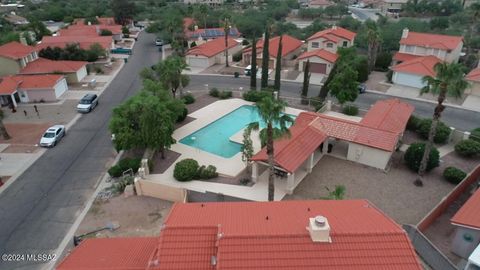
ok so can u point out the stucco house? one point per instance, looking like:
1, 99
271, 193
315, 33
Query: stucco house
413, 44
321, 61
291, 48
74, 71
31, 88
320, 234
410, 73
392, 6
201, 35
14, 56
467, 223
473, 77
331, 39
211, 52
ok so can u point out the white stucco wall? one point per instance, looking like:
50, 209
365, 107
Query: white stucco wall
81, 73
37, 95
369, 156
411, 80
460, 245
61, 87
322, 44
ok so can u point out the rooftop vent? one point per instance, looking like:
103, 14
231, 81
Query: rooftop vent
319, 229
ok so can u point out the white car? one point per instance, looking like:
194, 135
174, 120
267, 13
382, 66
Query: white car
158, 42
52, 136
87, 103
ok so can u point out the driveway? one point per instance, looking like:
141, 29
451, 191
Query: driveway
38, 209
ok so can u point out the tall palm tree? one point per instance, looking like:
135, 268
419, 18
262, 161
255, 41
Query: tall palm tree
271, 112
449, 80
3, 130
253, 63
374, 39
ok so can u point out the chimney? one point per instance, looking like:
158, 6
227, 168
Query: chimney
405, 33
334, 27
195, 27
319, 229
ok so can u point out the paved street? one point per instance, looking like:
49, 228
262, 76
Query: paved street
458, 118
363, 14
38, 209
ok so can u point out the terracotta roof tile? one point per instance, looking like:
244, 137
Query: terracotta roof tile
15, 50
469, 213
474, 75
443, 42
8, 85
289, 44
335, 31
389, 115
324, 54
46, 66
212, 47
403, 56
84, 41
423, 65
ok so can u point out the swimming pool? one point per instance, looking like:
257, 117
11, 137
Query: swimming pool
215, 137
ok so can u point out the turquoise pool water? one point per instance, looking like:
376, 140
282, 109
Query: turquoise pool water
215, 137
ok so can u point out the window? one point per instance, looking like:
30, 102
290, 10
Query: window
435, 52
345, 43
329, 45
409, 48
315, 45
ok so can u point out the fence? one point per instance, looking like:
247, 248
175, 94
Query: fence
157, 190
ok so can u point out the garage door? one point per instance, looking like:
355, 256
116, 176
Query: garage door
317, 67
198, 62
408, 80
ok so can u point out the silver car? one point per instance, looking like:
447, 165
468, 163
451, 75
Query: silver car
87, 103
52, 136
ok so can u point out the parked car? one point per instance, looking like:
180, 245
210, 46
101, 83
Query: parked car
52, 136
248, 70
362, 88
158, 42
87, 103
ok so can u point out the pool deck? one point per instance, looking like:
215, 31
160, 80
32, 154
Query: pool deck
225, 166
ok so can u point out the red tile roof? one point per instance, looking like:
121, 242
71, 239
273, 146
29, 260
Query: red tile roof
46, 66
474, 75
324, 54
423, 65
258, 235
403, 56
8, 85
187, 22
389, 115
469, 213
79, 30
111, 253
32, 82
289, 44
443, 42
15, 50
334, 31
84, 41
212, 47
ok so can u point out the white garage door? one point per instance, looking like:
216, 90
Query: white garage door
408, 80
197, 62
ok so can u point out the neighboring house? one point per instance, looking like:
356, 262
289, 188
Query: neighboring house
371, 142
14, 56
200, 36
212, 3
53, 27
474, 79
15, 19
474, 260
74, 71
85, 42
410, 72
321, 61
467, 222
212, 52
331, 39
291, 49
392, 6
321, 234
31, 88
413, 44
319, 3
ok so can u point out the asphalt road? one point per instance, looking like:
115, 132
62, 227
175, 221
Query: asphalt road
38, 209
458, 118
363, 14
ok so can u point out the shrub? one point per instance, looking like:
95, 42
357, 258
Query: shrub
185, 170
245, 42
389, 76
413, 157
384, 59
237, 57
188, 99
468, 148
214, 92
115, 171
130, 163
350, 110
413, 123
225, 94
443, 131
254, 96
361, 66
475, 135
454, 175
193, 44
183, 116
98, 70
105, 32
236, 74
206, 172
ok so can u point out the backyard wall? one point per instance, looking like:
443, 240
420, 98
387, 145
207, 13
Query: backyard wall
447, 200
157, 190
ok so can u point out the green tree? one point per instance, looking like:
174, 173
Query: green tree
265, 58
226, 29
253, 63
39, 29
344, 85
306, 80
449, 80
169, 73
271, 112
278, 67
123, 11
374, 40
337, 194
247, 147
3, 130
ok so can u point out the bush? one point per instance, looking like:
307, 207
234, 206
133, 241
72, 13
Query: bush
475, 135
350, 110
130, 163
183, 116
413, 123
361, 66
115, 171
214, 92
384, 59
193, 44
225, 94
237, 57
188, 99
245, 42
454, 175
105, 32
443, 131
468, 148
236, 74
206, 172
389, 76
185, 170
254, 96
413, 157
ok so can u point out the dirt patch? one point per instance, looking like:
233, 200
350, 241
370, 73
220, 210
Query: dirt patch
137, 216
21, 149
25, 134
161, 165
200, 102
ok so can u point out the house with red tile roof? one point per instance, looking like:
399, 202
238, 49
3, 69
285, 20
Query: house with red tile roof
473, 77
291, 48
414, 44
321, 61
14, 56
467, 224
85, 42
198, 36
370, 141
211, 52
74, 71
328, 234
31, 88
410, 73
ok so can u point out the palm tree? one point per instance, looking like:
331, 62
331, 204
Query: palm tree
374, 39
271, 112
3, 130
226, 29
253, 63
449, 80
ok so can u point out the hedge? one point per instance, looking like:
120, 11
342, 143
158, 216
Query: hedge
255, 96
225, 94
183, 116
413, 157
124, 165
413, 123
350, 110
188, 99
443, 131
206, 172
454, 175
468, 148
214, 92
475, 134
185, 170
